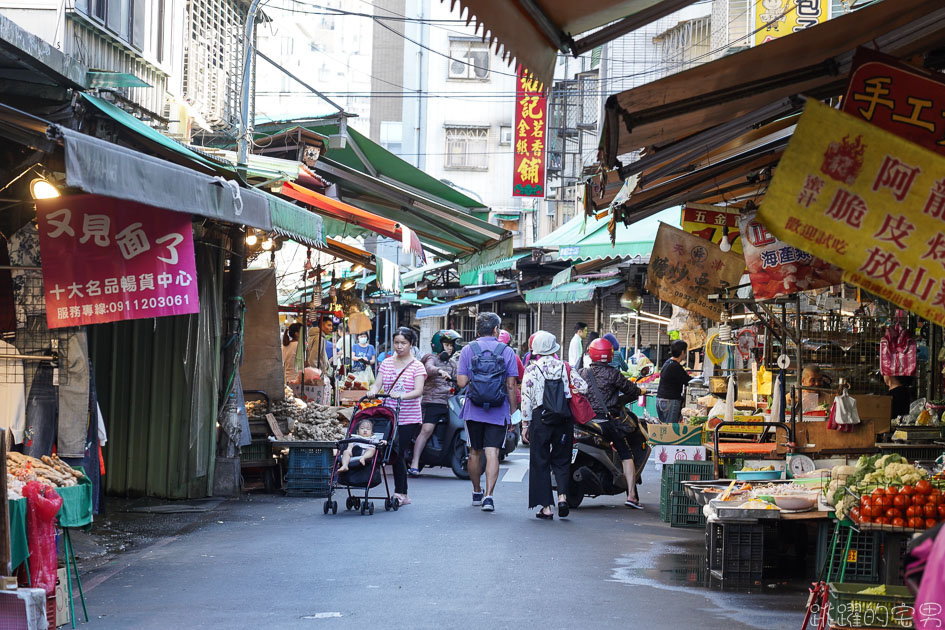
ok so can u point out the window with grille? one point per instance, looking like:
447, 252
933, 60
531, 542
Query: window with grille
124, 18
469, 60
467, 148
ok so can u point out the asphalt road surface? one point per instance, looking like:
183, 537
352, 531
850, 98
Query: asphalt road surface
268, 561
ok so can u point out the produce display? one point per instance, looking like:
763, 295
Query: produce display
50, 471
305, 421
891, 492
769, 467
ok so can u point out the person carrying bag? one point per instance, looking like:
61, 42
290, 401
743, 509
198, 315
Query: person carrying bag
548, 424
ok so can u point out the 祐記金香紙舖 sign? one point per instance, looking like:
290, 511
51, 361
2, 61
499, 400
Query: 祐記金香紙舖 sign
528, 141
867, 201
106, 260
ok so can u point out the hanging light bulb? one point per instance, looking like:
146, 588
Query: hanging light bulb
725, 329
267, 244
251, 239
725, 245
356, 268
42, 189
347, 284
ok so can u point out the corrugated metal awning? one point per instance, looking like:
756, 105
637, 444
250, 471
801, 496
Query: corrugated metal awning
568, 293
442, 310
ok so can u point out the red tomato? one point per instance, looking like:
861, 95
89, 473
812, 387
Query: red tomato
930, 523
882, 520
898, 522
877, 511
910, 511
899, 501
919, 499
865, 518
923, 487
907, 490
892, 491
936, 491
892, 513
878, 492
941, 512
906, 499
917, 523
931, 511
934, 499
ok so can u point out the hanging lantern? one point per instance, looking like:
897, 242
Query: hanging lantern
631, 299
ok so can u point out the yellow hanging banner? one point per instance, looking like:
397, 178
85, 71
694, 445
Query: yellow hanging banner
777, 18
867, 201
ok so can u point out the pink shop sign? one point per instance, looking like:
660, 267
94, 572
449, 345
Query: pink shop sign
107, 260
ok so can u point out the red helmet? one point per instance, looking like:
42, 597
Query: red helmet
530, 340
601, 351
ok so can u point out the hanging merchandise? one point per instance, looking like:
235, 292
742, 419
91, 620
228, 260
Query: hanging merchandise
897, 351
730, 400
843, 413
43, 504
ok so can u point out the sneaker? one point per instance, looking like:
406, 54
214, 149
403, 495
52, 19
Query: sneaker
488, 505
477, 498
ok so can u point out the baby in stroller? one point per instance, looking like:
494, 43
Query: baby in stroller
359, 453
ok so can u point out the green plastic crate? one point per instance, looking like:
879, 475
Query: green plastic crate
686, 470
862, 561
685, 512
849, 608
666, 487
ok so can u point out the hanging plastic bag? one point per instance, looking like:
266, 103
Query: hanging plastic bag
730, 400
897, 352
42, 505
843, 413
764, 381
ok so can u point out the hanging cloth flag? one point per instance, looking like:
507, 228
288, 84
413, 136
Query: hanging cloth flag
388, 276
411, 242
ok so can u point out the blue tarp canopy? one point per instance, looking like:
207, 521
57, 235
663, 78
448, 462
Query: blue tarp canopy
441, 310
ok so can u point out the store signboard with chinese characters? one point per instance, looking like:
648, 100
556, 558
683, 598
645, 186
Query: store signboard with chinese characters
867, 201
777, 18
777, 268
898, 98
685, 269
528, 177
107, 260
709, 222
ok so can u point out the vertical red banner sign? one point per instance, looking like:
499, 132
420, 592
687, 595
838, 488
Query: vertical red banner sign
107, 260
528, 178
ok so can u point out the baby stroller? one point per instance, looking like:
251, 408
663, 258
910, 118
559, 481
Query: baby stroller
370, 476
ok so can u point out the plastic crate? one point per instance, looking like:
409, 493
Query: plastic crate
736, 552
259, 452
684, 512
850, 608
690, 471
666, 485
309, 470
862, 562
915, 453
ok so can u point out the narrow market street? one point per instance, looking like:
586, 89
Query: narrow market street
272, 561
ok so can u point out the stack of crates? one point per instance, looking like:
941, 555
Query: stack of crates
862, 561
309, 471
666, 489
683, 511
736, 552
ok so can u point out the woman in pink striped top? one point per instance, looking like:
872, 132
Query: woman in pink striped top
401, 377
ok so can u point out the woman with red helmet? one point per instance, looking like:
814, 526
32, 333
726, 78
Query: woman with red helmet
609, 391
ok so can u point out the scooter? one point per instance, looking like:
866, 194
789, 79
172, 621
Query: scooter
595, 466
447, 445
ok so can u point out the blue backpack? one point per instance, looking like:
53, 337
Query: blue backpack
487, 377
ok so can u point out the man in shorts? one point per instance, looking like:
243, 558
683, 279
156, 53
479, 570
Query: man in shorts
486, 425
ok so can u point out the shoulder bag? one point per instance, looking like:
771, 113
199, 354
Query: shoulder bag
581, 409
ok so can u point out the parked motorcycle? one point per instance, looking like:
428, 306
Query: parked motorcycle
595, 466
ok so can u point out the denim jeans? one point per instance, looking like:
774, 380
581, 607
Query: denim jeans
41, 413
668, 410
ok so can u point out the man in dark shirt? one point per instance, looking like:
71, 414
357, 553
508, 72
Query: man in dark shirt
901, 397
673, 377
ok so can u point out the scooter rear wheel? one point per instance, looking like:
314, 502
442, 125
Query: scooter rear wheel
459, 458
574, 495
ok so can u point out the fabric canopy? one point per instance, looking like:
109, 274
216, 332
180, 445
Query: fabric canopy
486, 273
415, 275
296, 223
569, 292
441, 310
533, 31
593, 242
351, 214
103, 168
814, 61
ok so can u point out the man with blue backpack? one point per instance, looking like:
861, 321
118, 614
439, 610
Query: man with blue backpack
489, 371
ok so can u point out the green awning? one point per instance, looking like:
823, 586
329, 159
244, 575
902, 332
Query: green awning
488, 271
508, 217
149, 133
415, 275
568, 293
297, 223
577, 240
366, 280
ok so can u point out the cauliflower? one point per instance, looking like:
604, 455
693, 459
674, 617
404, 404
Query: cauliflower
844, 506
903, 474
889, 458
832, 490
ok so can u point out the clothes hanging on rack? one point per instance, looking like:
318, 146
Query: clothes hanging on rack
41, 413
28, 296
12, 394
89, 457
74, 395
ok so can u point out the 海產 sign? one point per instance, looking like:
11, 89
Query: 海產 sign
684, 269
898, 98
107, 260
867, 201
528, 178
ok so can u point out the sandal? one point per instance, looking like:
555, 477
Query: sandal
563, 509
633, 504
413, 472
545, 517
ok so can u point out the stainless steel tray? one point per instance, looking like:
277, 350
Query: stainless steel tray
738, 514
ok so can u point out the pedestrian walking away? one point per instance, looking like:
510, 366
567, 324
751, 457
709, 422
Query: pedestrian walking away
401, 377
548, 426
489, 371
576, 347
441, 374
609, 391
673, 377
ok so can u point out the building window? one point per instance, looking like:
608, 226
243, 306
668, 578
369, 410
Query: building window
469, 60
505, 134
124, 18
466, 148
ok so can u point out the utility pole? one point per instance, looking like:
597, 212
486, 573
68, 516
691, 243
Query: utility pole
242, 142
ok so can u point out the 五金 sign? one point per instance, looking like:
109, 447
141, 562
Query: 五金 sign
528, 178
709, 222
107, 260
867, 201
777, 18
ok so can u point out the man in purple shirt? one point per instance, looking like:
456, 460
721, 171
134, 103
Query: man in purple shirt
486, 425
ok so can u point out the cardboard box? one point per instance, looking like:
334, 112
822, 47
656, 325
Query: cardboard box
675, 434
62, 598
350, 396
669, 453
